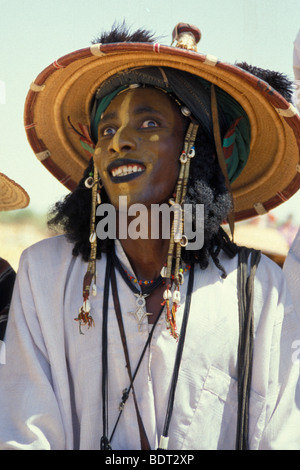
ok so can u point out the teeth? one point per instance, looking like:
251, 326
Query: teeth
125, 170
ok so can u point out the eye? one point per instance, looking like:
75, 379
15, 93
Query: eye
149, 123
108, 131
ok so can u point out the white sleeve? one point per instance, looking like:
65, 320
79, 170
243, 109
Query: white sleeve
282, 358
296, 63
31, 417
291, 269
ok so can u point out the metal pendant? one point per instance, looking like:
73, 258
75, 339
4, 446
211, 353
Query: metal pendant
140, 312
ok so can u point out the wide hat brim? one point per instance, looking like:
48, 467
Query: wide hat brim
12, 195
63, 93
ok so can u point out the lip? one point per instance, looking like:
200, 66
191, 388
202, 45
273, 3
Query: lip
124, 169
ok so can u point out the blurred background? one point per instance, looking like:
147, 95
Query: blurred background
34, 33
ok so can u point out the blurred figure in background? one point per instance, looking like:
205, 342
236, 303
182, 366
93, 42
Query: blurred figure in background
12, 196
296, 59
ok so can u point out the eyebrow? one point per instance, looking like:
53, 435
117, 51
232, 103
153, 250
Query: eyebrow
146, 109
137, 111
108, 116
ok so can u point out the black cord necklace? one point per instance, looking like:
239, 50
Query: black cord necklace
109, 277
146, 290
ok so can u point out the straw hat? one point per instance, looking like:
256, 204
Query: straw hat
12, 195
65, 90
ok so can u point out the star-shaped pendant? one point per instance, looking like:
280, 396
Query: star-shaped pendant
140, 312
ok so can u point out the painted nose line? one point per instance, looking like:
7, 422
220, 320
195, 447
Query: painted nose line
121, 141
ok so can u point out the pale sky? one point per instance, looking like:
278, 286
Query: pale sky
34, 33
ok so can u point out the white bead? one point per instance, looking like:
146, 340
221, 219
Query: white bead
176, 296
93, 237
192, 152
89, 182
181, 278
94, 290
167, 294
163, 442
87, 306
184, 241
163, 271
183, 157
98, 198
185, 111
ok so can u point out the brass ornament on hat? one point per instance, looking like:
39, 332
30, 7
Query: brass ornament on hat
187, 36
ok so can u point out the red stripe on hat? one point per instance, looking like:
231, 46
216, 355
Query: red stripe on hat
30, 126
57, 65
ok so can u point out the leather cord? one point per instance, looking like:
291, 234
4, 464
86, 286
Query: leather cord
143, 436
104, 443
220, 152
179, 352
245, 347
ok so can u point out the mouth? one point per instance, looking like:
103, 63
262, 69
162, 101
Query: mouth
125, 170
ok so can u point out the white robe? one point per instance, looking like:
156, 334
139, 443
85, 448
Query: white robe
50, 386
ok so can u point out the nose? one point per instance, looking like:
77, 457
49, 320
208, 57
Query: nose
122, 141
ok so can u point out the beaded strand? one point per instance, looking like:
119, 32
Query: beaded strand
145, 283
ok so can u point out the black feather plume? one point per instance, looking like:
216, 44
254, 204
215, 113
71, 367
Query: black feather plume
122, 33
276, 80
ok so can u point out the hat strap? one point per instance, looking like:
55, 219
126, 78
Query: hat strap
220, 153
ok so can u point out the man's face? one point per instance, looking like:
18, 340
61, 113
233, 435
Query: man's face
140, 138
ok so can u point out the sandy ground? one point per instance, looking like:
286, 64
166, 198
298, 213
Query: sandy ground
15, 237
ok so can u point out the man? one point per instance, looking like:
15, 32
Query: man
291, 265
127, 342
12, 196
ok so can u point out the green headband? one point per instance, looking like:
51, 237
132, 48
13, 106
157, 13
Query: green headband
100, 108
